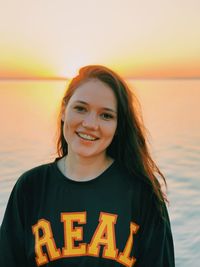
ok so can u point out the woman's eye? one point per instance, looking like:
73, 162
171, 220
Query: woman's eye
80, 108
106, 116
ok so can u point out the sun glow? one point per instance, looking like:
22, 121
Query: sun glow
73, 63
16, 63
144, 39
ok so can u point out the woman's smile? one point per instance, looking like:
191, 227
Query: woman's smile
86, 136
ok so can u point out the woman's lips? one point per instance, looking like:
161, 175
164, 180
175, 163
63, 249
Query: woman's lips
87, 136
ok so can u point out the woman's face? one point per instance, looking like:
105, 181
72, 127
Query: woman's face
90, 119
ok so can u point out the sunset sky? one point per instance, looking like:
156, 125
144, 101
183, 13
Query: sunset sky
138, 38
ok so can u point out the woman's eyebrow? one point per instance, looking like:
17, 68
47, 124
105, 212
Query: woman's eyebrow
105, 108
110, 109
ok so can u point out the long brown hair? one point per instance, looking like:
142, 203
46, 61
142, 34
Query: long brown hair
129, 146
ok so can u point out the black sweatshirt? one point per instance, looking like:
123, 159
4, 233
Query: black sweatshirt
111, 220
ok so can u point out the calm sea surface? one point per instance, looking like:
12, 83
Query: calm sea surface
171, 112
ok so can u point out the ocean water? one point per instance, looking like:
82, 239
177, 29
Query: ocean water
171, 112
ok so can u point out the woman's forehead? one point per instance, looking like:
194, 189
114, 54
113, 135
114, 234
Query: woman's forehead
95, 92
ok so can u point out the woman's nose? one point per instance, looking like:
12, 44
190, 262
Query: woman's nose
90, 121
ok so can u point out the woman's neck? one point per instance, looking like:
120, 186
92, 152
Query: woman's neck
83, 169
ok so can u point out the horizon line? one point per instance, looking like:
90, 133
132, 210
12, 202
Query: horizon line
125, 77
35, 78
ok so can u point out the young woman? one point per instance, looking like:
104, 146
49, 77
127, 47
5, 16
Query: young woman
100, 203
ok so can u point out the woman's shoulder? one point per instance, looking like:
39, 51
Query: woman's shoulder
34, 175
37, 170
129, 174
133, 181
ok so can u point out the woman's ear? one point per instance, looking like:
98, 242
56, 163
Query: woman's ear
63, 113
63, 116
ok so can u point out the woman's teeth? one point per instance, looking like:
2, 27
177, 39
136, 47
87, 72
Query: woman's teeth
86, 137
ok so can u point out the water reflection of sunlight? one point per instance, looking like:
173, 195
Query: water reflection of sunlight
29, 108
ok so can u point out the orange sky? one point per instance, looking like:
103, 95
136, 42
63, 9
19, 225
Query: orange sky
136, 38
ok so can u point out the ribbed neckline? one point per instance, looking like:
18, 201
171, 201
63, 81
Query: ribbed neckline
93, 180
